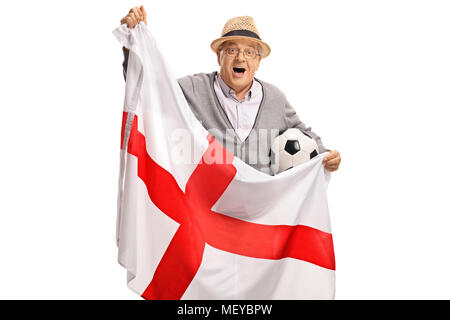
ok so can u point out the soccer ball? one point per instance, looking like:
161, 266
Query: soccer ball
291, 149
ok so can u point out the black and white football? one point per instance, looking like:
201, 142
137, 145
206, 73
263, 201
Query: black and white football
290, 149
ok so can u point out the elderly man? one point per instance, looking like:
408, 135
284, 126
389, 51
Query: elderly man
245, 114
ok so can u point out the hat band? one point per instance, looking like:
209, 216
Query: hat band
245, 33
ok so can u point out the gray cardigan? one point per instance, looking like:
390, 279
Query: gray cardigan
274, 116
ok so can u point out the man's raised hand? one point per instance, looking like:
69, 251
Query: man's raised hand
136, 15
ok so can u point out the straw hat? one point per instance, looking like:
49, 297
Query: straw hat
241, 28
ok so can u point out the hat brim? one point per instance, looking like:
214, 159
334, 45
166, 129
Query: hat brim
265, 47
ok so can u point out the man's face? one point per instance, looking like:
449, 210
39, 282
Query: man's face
238, 71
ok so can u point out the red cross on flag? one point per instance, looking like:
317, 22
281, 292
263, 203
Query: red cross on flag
195, 222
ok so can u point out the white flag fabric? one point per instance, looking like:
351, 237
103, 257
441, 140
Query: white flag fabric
195, 222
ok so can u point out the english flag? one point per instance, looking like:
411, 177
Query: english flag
195, 222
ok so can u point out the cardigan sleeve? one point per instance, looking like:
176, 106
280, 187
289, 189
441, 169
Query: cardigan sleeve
293, 121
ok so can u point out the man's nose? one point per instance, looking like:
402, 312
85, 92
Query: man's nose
240, 56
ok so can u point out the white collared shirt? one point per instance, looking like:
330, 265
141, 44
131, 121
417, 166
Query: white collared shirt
242, 114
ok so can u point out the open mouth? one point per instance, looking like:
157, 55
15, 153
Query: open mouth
239, 71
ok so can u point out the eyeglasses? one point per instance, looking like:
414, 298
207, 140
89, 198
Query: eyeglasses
249, 53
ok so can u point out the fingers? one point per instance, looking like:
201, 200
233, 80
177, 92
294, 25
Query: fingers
134, 16
332, 161
144, 13
137, 13
129, 20
331, 155
331, 169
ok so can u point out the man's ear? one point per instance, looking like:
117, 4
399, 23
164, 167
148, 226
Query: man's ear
257, 66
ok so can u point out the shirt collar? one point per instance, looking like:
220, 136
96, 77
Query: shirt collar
228, 92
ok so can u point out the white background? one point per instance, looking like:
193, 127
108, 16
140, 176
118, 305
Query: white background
372, 78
